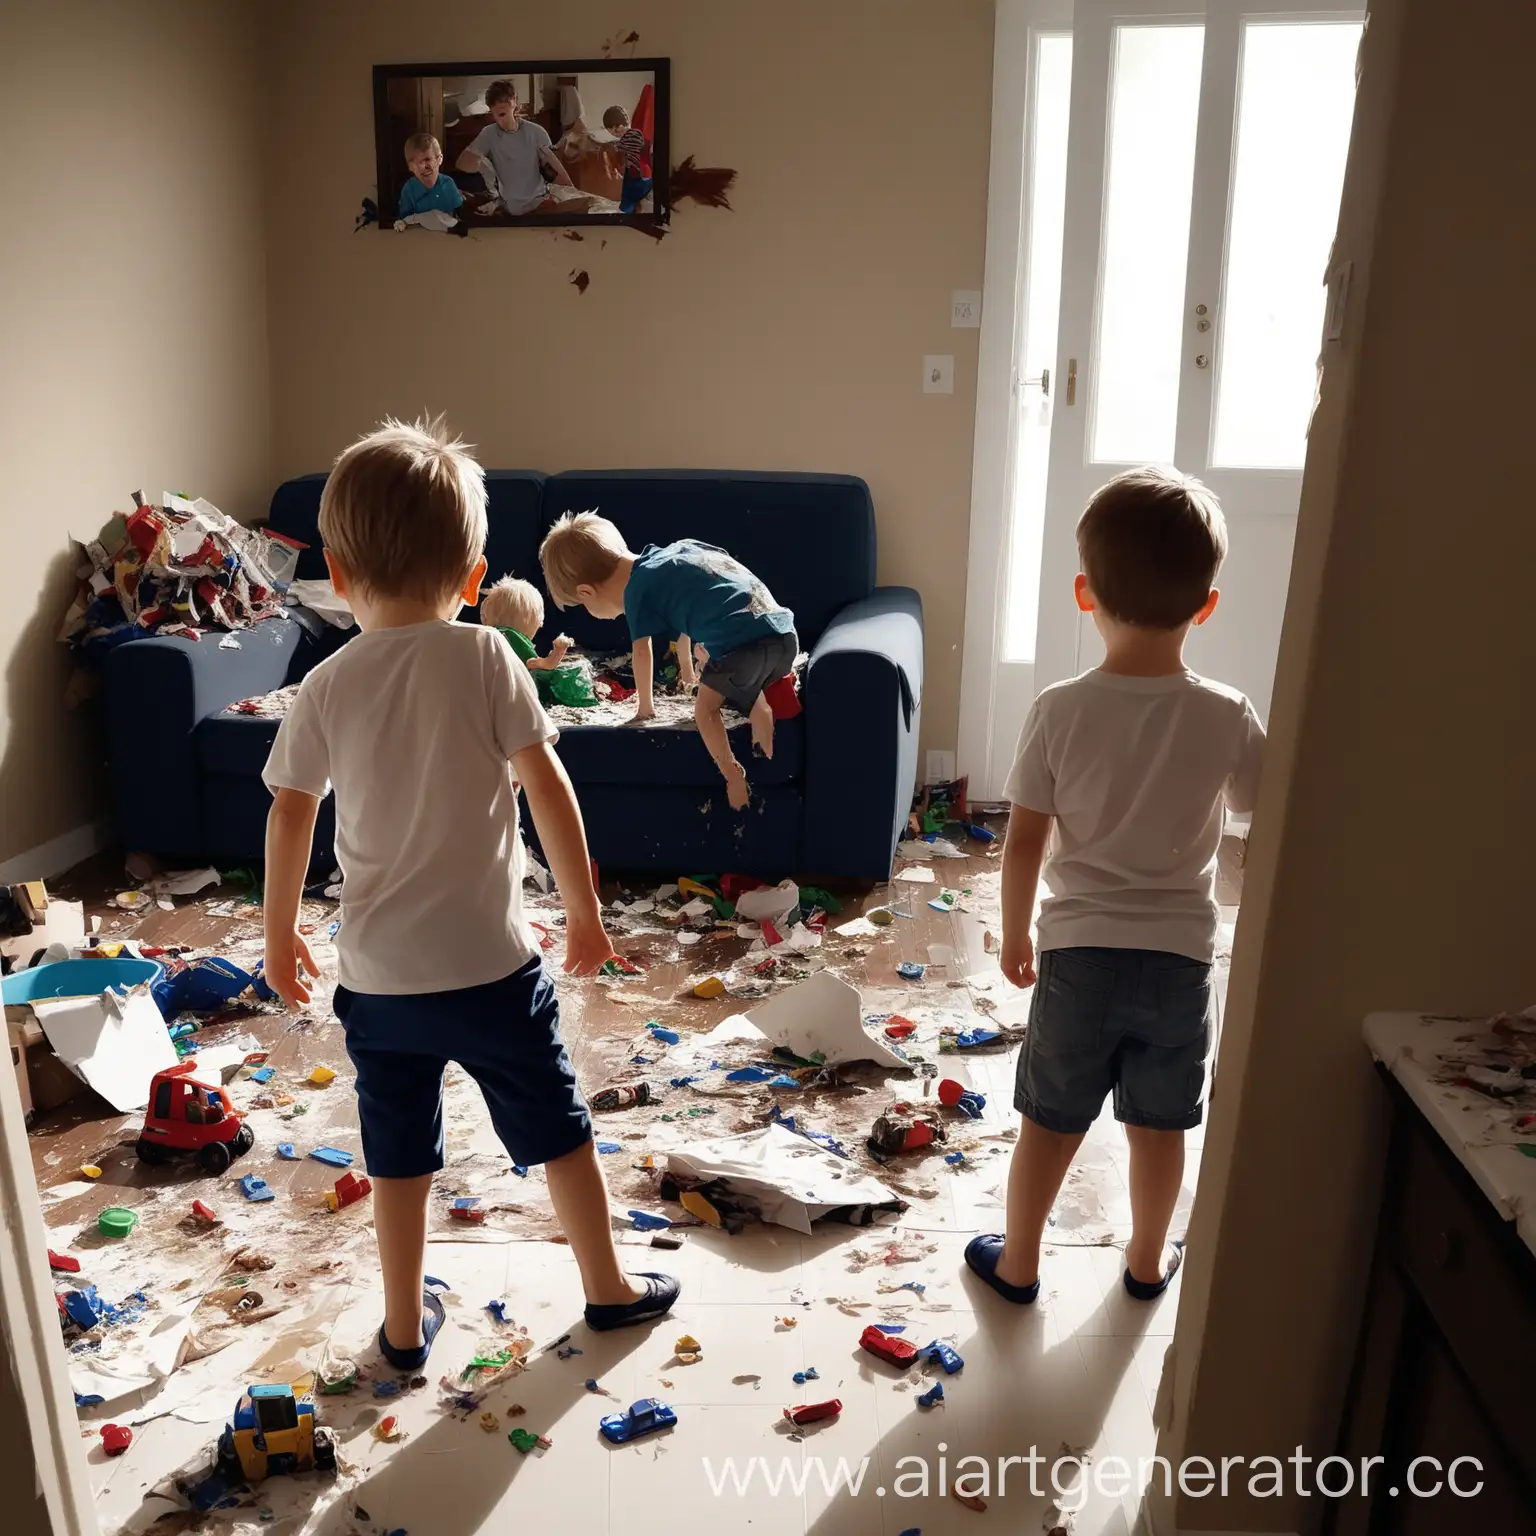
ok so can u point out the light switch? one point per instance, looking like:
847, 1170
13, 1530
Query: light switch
939, 374
965, 309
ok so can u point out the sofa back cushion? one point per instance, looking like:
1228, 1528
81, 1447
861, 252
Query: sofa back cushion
811, 538
513, 527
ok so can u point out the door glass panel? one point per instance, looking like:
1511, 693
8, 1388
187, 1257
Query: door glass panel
1154, 106
1296, 96
1042, 303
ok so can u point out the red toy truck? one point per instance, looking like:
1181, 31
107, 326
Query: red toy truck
186, 1115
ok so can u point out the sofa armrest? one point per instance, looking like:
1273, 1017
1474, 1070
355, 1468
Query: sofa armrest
157, 691
863, 695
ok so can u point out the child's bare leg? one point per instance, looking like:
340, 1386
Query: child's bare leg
706, 715
762, 725
1157, 1175
1040, 1162
400, 1227
580, 1198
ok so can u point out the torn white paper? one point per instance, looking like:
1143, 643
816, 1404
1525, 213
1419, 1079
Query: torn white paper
939, 848
822, 1014
771, 902
793, 1181
115, 1042
185, 882
916, 874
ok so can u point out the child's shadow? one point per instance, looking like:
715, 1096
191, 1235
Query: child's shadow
408, 1487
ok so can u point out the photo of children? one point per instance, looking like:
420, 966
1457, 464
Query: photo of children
462, 151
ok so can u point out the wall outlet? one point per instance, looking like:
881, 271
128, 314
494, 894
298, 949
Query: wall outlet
965, 309
941, 767
939, 375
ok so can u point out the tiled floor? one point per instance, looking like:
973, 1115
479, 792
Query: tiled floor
1079, 1370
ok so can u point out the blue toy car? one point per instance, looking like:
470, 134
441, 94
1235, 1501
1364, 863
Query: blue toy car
642, 1418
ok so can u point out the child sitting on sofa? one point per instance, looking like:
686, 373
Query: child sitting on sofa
516, 609
691, 590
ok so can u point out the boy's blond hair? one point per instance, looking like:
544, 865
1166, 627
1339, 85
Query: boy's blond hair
581, 550
513, 604
404, 511
1150, 544
418, 142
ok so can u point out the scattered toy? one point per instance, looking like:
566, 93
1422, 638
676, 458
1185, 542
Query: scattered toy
322, 1075
467, 1208
895, 1351
187, 1115
386, 1389
932, 1397
910, 970
899, 1028
568, 1352
256, 1189
350, 1188
286, 1151
489, 1422
263, 1075
712, 986
272, 1431
811, 1413
642, 1418
954, 1159
904, 1128
688, 1350
63, 1261
520, 1170
90, 1170
117, 1221
388, 1429
115, 1438
332, 1155
696, 1205
205, 1213
525, 1440
624, 1096
644, 1221
945, 1354
664, 1036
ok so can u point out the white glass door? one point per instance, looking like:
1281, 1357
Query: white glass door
1205, 156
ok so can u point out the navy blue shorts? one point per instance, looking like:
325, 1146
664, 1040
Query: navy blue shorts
1132, 1022
634, 192
506, 1035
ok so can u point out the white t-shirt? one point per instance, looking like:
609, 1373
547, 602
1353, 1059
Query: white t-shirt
1135, 772
415, 728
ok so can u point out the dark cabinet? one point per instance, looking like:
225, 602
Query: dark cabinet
1444, 1383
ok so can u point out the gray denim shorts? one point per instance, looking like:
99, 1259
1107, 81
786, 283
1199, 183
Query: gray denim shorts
1132, 1022
740, 675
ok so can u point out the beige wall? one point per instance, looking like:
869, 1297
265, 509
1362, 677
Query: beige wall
1390, 866
787, 334
135, 350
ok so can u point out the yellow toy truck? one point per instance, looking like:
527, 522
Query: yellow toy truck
273, 1432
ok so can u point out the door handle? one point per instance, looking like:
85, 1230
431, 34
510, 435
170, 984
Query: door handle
1044, 381
1071, 381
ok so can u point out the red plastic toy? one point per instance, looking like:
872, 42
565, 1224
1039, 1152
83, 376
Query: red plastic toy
65, 1261
810, 1413
115, 1438
783, 697
899, 1028
350, 1188
888, 1346
186, 1115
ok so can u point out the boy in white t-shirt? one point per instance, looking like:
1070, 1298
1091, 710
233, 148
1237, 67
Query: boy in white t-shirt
420, 724
1119, 788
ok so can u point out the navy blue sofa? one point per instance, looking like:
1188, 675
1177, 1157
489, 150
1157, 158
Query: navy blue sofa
186, 773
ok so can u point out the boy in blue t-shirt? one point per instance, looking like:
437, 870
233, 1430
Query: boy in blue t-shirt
427, 188
691, 590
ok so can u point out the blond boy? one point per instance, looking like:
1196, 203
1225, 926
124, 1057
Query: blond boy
517, 610
427, 188
419, 725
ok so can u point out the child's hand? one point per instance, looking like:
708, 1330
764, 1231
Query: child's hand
587, 947
288, 959
1018, 959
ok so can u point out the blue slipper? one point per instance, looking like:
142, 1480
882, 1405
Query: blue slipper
1150, 1290
982, 1254
661, 1291
413, 1359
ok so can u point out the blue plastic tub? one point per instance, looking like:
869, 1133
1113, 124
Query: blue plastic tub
78, 978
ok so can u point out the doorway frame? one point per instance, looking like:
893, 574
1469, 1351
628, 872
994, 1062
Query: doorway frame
1015, 45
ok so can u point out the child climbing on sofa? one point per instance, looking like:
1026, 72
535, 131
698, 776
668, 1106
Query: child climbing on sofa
691, 590
1118, 789
419, 724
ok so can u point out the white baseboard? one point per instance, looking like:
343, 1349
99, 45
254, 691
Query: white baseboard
51, 859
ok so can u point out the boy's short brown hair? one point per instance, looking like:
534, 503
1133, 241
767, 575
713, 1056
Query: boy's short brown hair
501, 90
1150, 543
418, 142
513, 604
403, 510
615, 118
581, 550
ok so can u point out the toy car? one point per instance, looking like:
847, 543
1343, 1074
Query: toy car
186, 1115
811, 1413
888, 1346
273, 1432
642, 1418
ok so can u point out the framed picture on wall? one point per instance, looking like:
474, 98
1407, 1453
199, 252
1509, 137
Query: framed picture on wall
523, 142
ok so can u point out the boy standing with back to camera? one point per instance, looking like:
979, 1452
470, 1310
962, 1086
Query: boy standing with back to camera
420, 724
1119, 788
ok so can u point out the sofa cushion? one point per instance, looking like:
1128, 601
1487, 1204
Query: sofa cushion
234, 744
512, 535
658, 754
811, 538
